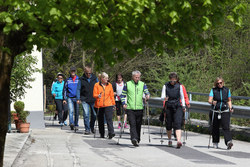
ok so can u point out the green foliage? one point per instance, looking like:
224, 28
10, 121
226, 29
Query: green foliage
199, 116
21, 75
12, 112
19, 106
23, 116
198, 129
51, 108
62, 55
124, 26
240, 121
241, 137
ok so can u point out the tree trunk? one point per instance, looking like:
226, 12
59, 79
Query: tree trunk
6, 62
83, 58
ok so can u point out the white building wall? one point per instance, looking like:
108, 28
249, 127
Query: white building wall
33, 99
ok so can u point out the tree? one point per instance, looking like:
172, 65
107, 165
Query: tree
113, 29
21, 75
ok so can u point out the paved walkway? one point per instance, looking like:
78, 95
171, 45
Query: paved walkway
53, 146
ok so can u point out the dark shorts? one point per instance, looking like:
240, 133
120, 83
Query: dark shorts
119, 108
174, 117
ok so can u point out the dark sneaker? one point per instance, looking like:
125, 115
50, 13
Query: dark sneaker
229, 145
135, 142
71, 126
179, 144
102, 136
170, 144
92, 130
87, 133
111, 136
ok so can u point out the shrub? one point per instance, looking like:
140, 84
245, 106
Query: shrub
23, 116
51, 108
19, 106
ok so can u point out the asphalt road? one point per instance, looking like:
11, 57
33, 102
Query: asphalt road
56, 147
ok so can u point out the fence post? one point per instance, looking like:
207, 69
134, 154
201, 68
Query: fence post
44, 100
190, 97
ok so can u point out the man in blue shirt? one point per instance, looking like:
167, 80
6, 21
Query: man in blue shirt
70, 89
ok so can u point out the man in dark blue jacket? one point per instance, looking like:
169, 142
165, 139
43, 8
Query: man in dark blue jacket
70, 89
85, 91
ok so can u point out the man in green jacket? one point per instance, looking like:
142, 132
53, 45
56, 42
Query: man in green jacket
134, 91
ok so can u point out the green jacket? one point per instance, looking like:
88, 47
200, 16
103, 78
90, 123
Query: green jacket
134, 93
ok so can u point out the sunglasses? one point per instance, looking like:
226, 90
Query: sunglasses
87, 73
219, 83
60, 78
173, 81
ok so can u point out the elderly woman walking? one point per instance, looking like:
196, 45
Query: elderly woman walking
104, 104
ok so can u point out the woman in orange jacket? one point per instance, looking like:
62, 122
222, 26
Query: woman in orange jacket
104, 104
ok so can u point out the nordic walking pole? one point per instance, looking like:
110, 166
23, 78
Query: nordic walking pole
162, 130
184, 137
164, 120
148, 121
211, 130
184, 127
96, 121
188, 120
122, 129
144, 120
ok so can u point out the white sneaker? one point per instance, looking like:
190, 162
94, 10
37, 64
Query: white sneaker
215, 145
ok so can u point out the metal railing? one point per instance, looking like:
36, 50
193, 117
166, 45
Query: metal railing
206, 94
204, 107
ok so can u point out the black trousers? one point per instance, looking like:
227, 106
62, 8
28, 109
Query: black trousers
62, 110
174, 118
135, 121
224, 122
108, 111
119, 108
65, 112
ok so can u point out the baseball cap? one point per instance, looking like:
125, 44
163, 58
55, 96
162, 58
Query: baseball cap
73, 69
60, 74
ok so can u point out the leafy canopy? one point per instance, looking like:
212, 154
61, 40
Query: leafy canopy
115, 28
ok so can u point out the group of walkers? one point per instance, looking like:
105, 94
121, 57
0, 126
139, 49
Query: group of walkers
94, 95
99, 98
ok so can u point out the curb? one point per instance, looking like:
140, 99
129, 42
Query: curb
15, 151
23, 143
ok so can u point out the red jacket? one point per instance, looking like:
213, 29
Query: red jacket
185, 95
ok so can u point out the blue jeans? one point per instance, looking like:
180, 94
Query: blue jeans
88, 125
73, 107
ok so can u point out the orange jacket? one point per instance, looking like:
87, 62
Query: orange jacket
107, 98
